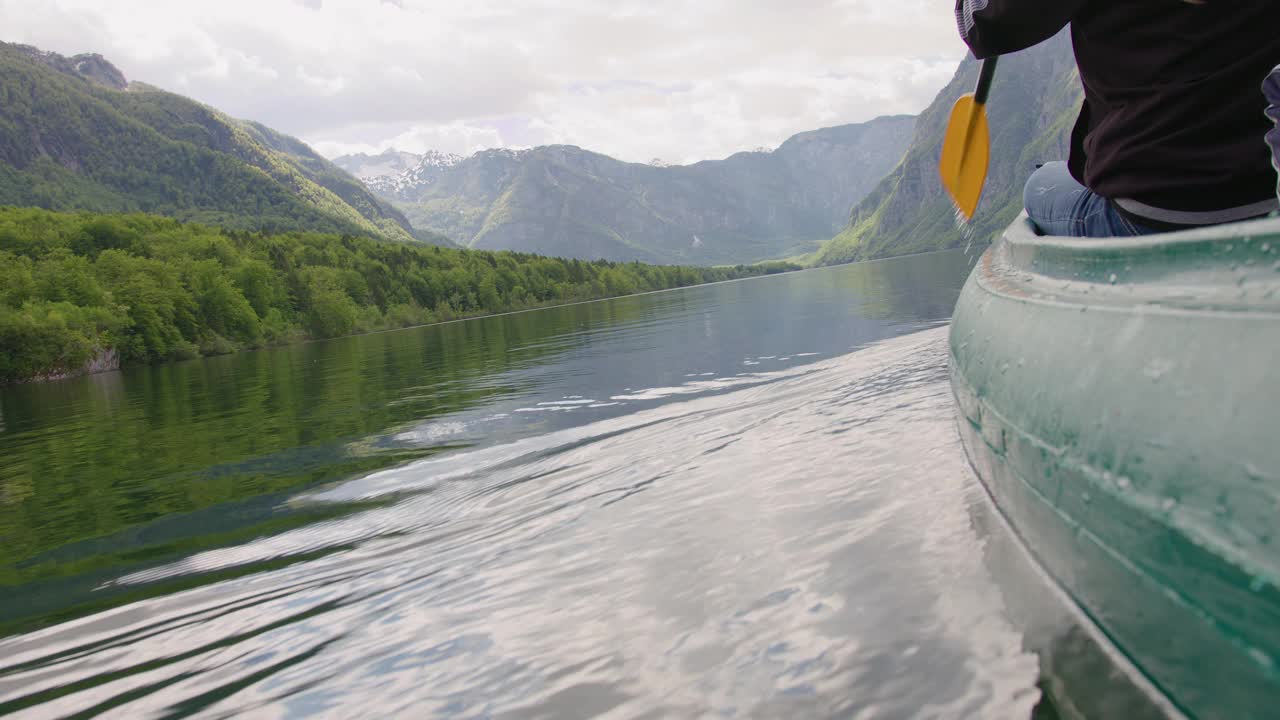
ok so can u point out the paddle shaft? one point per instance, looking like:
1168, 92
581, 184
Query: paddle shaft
984, 80
980, 93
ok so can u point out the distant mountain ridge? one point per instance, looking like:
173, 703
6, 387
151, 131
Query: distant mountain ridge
562, 200
388, 163
1034, 101
421, 174
75, 134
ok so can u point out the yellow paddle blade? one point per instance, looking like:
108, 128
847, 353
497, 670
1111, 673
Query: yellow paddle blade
965, 152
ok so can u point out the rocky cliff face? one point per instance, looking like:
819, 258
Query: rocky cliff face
566, 201
1033, 105
90, 66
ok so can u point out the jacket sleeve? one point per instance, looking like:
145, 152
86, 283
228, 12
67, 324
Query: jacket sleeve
996, 27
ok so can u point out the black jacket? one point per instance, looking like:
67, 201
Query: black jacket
1271, 88
1173, 120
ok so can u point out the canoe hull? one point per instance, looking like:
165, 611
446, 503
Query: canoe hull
1118, 399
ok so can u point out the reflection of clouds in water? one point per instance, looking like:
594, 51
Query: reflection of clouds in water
493, 462
798, 546
432, 432
700, 386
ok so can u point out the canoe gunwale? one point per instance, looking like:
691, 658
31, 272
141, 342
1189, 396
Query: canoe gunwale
1022, 233
1226, 269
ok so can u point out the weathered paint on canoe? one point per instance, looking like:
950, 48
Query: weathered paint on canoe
1120, 401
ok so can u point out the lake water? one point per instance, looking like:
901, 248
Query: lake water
739, 500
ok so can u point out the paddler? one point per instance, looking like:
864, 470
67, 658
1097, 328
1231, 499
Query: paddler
1170, 135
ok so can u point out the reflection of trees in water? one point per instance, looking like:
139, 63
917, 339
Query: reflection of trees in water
113, 471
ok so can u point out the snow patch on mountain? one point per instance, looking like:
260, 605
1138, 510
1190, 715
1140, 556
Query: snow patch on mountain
388, 163
425, 172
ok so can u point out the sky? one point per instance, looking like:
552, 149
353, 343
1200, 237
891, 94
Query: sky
639, 80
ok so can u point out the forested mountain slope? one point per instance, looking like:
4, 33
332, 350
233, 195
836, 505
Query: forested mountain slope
75, 135
1034, 101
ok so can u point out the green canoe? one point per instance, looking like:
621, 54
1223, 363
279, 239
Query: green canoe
1120, 402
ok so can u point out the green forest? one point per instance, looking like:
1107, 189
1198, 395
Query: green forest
78, 286
70, 142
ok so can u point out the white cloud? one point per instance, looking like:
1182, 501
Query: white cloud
658, 78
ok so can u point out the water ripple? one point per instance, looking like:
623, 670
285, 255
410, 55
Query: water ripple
782, 544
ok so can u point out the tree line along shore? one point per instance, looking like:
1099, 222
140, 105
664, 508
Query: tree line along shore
85, 291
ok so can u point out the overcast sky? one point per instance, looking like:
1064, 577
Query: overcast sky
637, 79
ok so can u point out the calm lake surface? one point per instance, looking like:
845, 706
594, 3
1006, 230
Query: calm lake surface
739, 500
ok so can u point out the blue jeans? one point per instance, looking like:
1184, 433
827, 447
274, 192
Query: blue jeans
1058, 205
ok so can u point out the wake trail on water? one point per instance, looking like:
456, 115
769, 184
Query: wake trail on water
770, 545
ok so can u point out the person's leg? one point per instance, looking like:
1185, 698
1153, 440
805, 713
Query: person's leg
1058, 205
1055, 201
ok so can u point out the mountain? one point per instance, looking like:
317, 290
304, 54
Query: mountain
421, 174
1033, 105
562, 200
388, 163
76, 135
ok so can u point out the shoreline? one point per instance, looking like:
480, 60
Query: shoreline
96, 366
